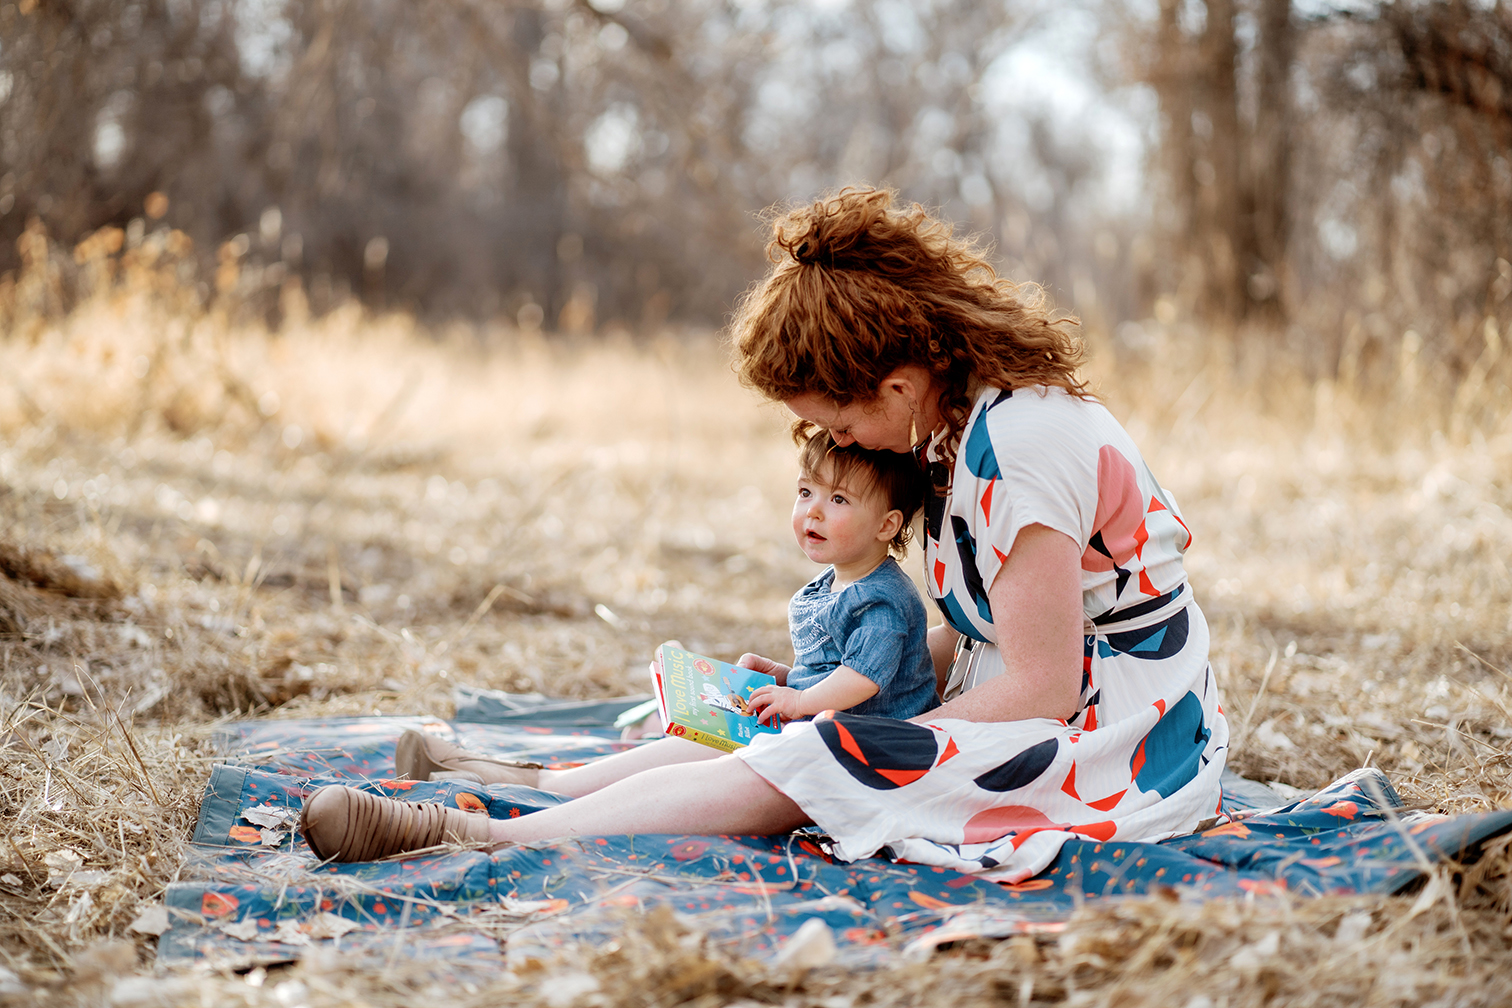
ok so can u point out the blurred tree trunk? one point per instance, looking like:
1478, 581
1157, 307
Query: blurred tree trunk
537, 219
1270, 170
1224, 241
1226, 173
1171, 76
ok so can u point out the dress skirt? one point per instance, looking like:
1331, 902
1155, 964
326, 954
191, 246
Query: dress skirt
1141, 760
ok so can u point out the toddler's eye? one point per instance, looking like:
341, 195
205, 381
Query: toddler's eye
838, 499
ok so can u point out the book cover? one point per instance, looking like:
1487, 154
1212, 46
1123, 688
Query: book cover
703, 699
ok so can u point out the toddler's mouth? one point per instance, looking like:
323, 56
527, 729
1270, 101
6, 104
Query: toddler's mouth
813, 536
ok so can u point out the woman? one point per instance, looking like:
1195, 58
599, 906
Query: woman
1080, 701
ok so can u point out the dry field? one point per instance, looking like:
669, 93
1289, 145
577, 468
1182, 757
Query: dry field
200, 520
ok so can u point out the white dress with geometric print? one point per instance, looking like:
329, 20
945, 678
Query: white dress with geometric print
1142, 757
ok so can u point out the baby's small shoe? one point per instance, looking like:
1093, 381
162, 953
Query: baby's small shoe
344, 824
419, 756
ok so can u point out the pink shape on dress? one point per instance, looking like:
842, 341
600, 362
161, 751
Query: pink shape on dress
1120, 511
995, 823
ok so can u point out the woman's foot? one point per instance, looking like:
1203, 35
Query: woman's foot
424, 757
344, 824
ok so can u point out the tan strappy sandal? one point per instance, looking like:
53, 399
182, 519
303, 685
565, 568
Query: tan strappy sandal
419, 756
344, 824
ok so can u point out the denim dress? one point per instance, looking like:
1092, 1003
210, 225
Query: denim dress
874, 626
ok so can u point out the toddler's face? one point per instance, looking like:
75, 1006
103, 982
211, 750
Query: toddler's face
837, 524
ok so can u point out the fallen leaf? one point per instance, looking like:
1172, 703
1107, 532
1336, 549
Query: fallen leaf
79, 908
242, 930
63, 860
152, 921
289, 932
329, 925
515, 906
273, 816
812, 946
85, 879
63, 868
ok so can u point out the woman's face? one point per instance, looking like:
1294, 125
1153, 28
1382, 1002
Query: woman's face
884, 422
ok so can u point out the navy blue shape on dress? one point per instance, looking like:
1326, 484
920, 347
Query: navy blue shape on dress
881, 753
1025, 768
950, 608
1161, 640
1171, 754
966, 547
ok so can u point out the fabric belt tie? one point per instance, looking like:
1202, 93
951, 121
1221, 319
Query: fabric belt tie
976, 662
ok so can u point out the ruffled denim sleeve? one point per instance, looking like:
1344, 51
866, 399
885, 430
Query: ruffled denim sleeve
869, 624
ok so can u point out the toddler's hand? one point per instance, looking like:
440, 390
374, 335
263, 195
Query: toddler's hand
771, 700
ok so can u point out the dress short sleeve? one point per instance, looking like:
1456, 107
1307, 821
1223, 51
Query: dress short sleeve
1040, 456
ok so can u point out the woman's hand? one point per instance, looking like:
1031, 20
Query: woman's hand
1036, 602
756, 663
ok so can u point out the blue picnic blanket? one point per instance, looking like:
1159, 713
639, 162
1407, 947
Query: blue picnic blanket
253, 892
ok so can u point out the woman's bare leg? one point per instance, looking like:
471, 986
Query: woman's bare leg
721, 795
606, 770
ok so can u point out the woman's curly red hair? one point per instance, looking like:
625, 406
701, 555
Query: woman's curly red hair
861, 286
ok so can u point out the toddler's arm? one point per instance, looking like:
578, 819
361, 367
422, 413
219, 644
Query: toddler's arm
842, 689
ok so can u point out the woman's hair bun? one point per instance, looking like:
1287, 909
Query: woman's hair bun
837, 229
811, 245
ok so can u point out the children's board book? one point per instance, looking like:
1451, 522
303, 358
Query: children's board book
704, 699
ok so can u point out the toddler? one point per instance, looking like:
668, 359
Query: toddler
858, 628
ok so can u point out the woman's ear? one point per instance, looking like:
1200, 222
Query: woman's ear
910, 384
891, 523
900, 383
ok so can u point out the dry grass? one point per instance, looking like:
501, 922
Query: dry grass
201, 521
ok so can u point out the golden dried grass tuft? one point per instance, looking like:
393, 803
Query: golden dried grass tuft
353, 514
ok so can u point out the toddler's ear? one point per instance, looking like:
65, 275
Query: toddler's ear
891, 523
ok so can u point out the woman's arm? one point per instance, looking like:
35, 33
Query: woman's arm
942, 644
1036, 602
